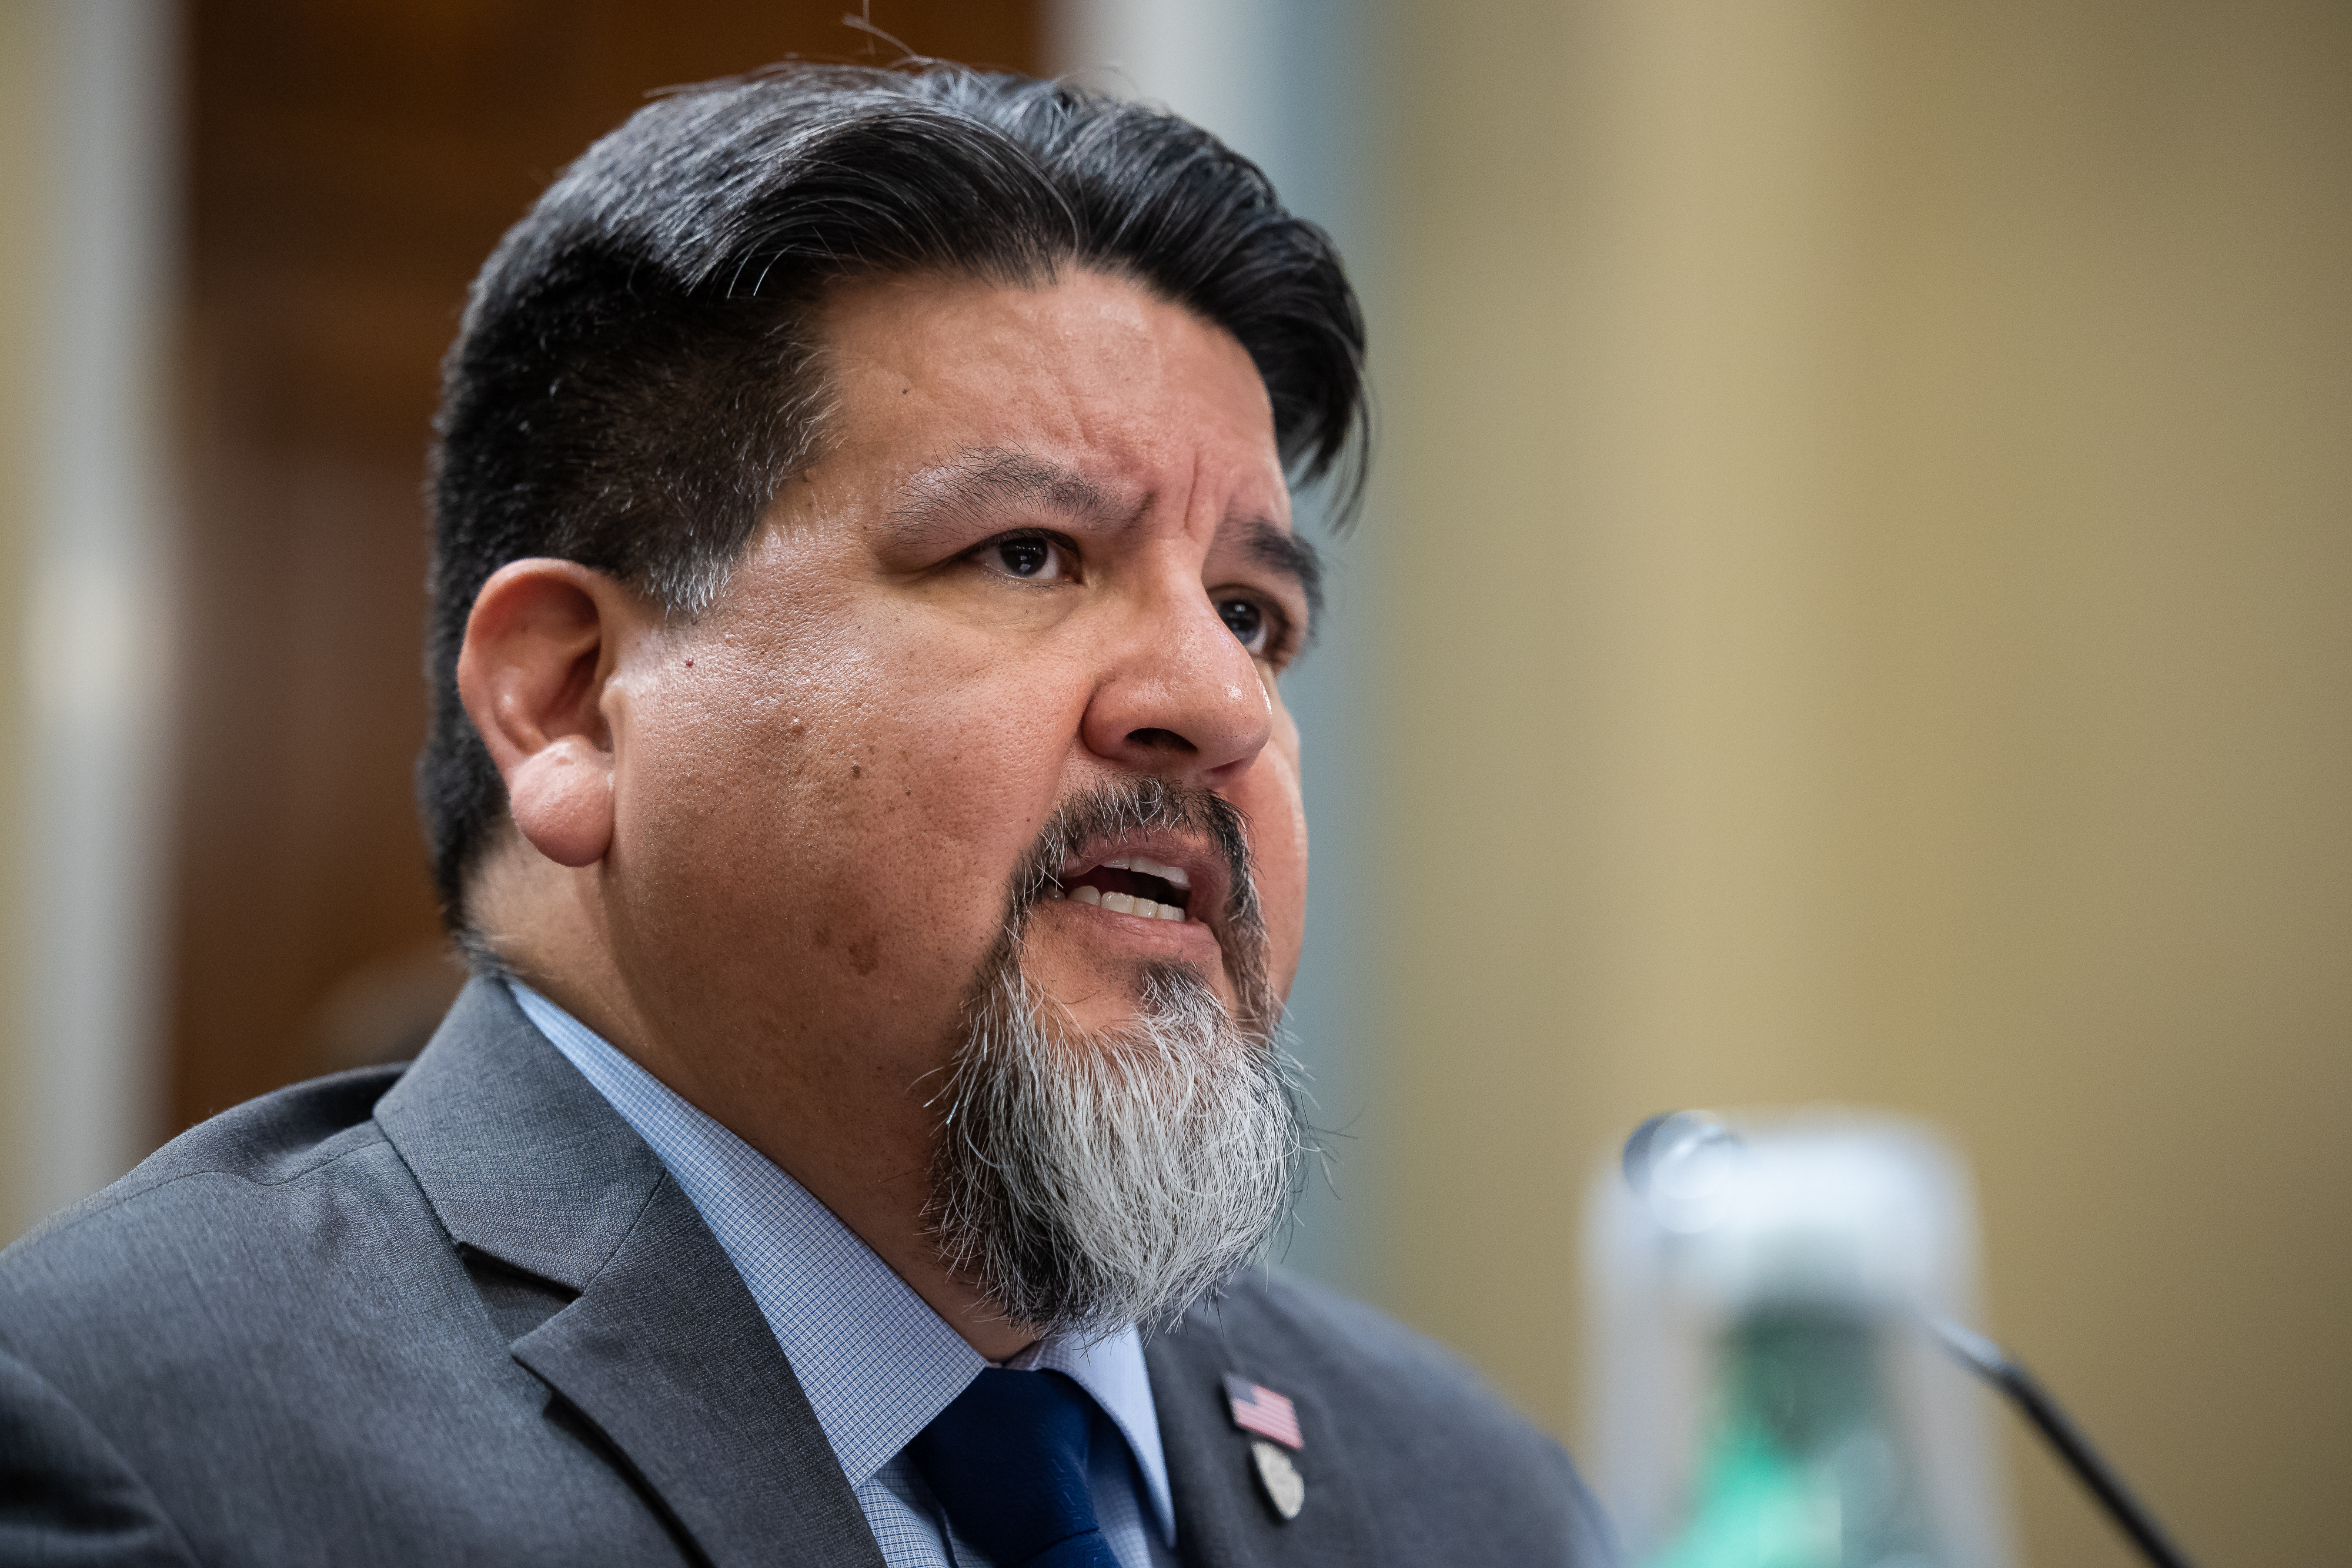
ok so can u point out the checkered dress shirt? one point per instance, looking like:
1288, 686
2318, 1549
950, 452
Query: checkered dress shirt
875, 1361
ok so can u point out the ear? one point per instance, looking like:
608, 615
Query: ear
540, 646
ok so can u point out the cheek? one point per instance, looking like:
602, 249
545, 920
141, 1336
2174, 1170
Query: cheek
1270, 794
966, 749
835, 823
735, 813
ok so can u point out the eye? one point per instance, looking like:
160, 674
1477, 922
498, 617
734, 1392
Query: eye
1032, 557
1246, 620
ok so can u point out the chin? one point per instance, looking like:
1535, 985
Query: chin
1100, 974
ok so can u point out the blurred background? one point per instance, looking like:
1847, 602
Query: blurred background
1857, 608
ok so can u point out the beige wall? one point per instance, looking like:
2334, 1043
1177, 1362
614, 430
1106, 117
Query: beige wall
27, 51
1867, 560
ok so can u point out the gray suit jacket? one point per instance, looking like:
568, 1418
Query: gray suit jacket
462, 1314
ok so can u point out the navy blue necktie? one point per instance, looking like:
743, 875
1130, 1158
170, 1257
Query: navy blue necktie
1008, 1461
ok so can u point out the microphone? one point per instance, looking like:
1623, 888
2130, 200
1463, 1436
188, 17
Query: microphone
1679, 1150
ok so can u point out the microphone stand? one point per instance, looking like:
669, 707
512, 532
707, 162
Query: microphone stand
1997, 1367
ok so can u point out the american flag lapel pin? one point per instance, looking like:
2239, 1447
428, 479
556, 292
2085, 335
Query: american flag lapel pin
1257, 1409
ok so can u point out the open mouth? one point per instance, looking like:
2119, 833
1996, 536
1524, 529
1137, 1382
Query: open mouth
1130, 884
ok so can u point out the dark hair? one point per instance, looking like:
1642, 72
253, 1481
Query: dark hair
635, 377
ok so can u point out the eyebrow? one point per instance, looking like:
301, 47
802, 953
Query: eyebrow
1297, 558
996, 477
993, 476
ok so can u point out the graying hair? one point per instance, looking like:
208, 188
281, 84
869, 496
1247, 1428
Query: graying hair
1087, 1181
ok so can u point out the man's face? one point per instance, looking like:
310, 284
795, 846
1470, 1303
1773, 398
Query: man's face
1047, 548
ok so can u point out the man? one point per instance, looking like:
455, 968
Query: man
859, 775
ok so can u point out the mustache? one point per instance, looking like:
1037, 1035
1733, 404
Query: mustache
1110, 810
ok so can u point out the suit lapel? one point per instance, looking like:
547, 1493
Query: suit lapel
1222, 1517
664, 1349
667, 1352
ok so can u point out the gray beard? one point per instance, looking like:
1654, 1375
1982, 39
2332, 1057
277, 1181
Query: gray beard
1085, 1181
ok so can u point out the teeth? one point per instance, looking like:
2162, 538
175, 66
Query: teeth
1170, 873
1122, 904
1055, 890
1145, 865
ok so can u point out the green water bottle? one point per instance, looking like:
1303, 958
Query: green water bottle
1764, 1394
1803, 1467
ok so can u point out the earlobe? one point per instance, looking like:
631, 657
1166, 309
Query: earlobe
562, 797
540, 647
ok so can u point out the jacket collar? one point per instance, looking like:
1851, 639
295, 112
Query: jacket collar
662, 1350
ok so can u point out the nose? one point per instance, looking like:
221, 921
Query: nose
1180, 697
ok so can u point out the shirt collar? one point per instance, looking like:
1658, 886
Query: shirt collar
876, 1363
